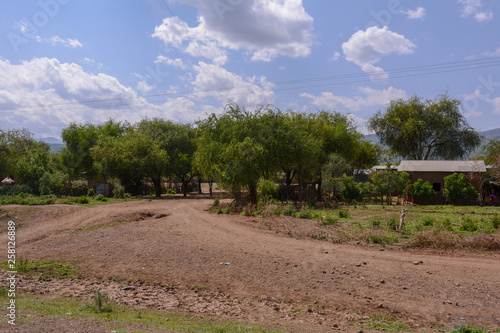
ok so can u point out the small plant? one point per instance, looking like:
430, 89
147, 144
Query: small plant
170, 191
428, 221
91, 192
376, 224
495, 222
343, 214
82, 200
101, 197
216, 202
329, 220
101, 302
393, 224
468, 225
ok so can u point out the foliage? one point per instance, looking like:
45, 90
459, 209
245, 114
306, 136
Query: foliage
351, 190
458, 190
421, 130
423, 191
267, 190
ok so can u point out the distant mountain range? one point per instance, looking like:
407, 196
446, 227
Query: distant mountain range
487, 135
56, 144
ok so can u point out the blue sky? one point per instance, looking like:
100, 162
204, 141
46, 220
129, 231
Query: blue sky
64, 61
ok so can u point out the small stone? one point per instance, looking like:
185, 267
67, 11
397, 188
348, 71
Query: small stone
380, 306
335, 325
128, 288
382, 281
416, 262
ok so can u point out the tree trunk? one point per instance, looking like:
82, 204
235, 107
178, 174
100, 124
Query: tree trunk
157, 186
253, 194
199, 186
320, 192
210, 184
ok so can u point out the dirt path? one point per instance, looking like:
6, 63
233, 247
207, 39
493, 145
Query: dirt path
178, 244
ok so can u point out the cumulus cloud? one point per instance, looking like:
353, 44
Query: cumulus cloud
266, 28
214, 81
366, 47
171, 62
54, 40
368, 98
474, 8
496, 105
45, 95
418, 13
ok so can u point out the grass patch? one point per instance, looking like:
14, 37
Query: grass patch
31, 307
384, 323
99, 226
48, 269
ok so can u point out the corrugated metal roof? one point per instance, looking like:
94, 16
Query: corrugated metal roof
442, 166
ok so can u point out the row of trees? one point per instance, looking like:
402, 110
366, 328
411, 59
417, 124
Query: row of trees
238, 149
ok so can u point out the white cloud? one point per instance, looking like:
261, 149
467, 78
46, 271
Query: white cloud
171, 62
474, 8
366, 47
54, 40
267, 28
215, 81
369, 98
496, 105
336, 56
144, 86
45, 95
418, 13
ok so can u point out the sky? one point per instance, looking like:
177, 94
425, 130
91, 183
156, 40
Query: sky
64, 61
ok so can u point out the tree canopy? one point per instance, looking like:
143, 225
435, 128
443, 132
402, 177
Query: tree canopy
420, 130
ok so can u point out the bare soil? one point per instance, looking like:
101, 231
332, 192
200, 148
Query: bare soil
179, 257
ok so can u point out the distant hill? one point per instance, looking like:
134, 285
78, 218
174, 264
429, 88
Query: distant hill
487, 135
55, 144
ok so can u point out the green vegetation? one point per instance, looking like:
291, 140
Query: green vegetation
384, 323
119, 317
424, 226
47, 269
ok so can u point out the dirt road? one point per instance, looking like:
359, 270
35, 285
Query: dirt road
250, 273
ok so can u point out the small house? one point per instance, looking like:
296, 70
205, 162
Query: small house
435, 171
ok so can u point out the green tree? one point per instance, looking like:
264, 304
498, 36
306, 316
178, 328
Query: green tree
80, 139
491, 151
420, 130
458, 190
423, 191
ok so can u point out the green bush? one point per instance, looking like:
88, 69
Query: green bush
458, 190
91, 192
118, 191
428, 221
393, 223
343, 214
101, 197
267, 190
351, 190
495, 222
329, 220
170, 191
423, 191
82, 200
79, 189
468, 225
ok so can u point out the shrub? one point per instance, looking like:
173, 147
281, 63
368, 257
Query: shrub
428, 221
171, 191
329, 220
82, 200
423, 191
351, 190
216, 202
468, 225
458, 190
343, 214
118, 190
45, 183
393, 223
495, 221
91, 192
101, 197
267, 190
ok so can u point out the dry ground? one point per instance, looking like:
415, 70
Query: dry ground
180, 257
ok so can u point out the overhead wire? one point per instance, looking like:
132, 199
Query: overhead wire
343, 79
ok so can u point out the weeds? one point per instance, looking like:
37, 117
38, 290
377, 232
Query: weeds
100, 303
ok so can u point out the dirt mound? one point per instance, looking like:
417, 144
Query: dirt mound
251, 273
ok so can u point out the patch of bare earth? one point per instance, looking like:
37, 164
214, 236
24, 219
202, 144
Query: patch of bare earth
168, 249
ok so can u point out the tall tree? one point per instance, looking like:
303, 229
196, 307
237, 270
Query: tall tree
421, 130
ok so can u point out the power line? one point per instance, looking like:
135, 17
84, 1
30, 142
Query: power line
343, 79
